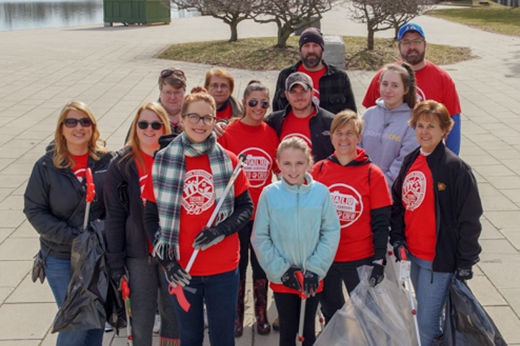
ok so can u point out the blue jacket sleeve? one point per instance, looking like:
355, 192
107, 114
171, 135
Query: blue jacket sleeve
271, 260
453, 140
323, 255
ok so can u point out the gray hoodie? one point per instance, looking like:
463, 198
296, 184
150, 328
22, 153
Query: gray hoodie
387, 138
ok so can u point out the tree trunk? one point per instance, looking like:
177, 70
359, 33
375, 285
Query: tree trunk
233, 26
370, 39
396, 29
284, 31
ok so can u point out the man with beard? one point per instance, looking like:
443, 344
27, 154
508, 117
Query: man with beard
432, 82
302, 118
332, 90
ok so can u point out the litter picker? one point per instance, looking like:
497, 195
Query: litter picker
125, 292
404, 275
91, 193
178, 290
303, 297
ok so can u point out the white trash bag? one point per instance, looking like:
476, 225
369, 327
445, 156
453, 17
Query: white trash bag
372, 316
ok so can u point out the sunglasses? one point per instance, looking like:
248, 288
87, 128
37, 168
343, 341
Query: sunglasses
72, 122
253, 102
177, 73
143, 125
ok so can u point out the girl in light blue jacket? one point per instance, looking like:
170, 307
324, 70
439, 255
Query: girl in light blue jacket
296, 230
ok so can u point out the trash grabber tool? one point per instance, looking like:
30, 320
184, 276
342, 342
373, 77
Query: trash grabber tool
303, 297
91, 192
176, 289
404, 274
125, 292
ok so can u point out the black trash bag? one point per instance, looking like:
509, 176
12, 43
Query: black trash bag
466, 322
115, 307
83, 307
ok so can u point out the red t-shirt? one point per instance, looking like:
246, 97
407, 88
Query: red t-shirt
419, 215
225, 113
299, 127
315, 76
432, 82
354, 197
198, 203
80, 165
144, 174
258, 144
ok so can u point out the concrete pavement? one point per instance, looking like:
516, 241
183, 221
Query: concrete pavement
114, 71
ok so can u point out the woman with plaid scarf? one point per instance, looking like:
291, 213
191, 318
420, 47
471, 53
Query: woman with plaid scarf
189, 177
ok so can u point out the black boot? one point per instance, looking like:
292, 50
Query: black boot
239, 316
260, 294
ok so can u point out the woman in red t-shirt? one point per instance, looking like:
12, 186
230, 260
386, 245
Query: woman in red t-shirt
189, 177
252, 137
128, 245
220, 83
360, 194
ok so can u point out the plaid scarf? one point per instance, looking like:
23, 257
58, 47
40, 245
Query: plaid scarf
168, 173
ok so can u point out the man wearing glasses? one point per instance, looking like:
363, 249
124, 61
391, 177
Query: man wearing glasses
433, 83
172, 86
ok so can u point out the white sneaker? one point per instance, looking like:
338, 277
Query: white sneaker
157, 324
108, 327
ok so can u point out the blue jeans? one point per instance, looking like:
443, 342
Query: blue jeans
57, 272
431, 293
219, 292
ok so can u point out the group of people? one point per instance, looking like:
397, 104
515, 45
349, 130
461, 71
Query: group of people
180, 212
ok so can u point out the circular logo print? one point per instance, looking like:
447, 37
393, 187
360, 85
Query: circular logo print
198, 194
414, 189
258, 166
348, 203
299, 135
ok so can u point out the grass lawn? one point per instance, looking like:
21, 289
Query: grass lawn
496, 18
260, 53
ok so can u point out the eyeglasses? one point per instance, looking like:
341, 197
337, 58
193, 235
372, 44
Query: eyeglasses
254, 102
408, 43
73, 122
143, 125
177, 73
194, 118
222, 86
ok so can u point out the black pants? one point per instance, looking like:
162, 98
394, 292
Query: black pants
246, 250
288, 306
332, 296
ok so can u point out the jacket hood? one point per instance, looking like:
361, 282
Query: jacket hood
360, 159
403, 107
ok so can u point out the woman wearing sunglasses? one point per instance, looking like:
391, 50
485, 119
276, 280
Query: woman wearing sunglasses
252, 137
128, 245
55, 200
189, 178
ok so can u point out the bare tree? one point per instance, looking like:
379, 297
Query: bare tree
231, 12
374, 13
291, 15
403, 11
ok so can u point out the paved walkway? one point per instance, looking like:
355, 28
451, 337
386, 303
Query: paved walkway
114, 70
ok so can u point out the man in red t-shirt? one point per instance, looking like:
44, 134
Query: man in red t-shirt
331, 86
432, 82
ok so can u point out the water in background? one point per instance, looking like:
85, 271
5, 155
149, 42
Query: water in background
31, 14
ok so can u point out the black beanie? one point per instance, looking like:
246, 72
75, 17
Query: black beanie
311, 35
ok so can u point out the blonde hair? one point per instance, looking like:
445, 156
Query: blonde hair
295, 143
345, 117
61, 157
133, 140
198, 93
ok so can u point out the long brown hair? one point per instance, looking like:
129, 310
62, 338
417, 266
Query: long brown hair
408, 79
133, 140
61, 157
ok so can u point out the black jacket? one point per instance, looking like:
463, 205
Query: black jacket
124, 227
55, 202
335, 89
457, 209
319, 126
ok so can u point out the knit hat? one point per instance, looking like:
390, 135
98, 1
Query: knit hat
298, 78
311, 35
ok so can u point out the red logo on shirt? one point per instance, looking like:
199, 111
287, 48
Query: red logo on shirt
258, 166
198, 194
414, 190
348, 203
299, 135
421, 96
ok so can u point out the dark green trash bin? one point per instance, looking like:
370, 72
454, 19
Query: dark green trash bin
136, 11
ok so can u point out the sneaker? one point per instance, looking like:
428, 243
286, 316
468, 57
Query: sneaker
108, 327
157, 324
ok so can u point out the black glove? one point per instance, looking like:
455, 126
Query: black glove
378, 274
290, 280
174, 272
311, 282
397, 249
207, 238
464, 273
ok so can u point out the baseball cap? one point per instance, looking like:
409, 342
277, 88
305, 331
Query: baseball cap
311, 35
410, 27
298, 78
